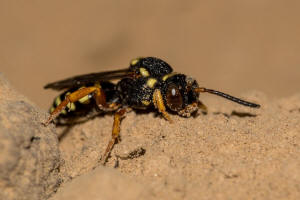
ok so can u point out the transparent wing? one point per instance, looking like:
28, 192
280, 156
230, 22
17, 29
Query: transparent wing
82, 80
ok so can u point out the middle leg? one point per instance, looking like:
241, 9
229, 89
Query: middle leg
115, 132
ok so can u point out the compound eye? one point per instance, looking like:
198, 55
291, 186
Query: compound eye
174, 98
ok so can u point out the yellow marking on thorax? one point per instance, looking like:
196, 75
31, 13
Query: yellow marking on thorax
146, 103
165, 77
151, 82
134, 61
144, 72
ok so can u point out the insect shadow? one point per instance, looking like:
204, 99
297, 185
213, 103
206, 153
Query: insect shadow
69, 123
236, 113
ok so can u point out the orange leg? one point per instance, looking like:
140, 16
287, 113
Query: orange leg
188, 110
191, 108
115, 133
75, 96
159, 104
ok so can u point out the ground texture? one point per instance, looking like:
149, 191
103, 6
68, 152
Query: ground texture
232, 152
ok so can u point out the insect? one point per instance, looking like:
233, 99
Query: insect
148, 82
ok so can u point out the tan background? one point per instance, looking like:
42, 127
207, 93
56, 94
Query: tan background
234, 46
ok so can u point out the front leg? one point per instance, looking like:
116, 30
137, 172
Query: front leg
158, 102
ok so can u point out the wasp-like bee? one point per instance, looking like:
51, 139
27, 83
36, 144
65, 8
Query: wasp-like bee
148, 83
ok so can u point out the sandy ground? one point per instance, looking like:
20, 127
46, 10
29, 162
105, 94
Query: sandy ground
249, 49
231, 153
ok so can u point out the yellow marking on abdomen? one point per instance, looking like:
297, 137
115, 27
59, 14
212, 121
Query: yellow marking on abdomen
85, 100
52, 109
71, 106
57, 101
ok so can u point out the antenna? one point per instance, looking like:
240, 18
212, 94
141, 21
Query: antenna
227, 96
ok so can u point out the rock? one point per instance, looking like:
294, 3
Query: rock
30, 159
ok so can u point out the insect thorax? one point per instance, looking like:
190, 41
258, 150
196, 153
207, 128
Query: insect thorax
150, 66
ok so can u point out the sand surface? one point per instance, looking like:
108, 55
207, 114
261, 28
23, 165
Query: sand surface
231, 153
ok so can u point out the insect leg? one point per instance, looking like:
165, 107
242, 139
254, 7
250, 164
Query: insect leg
159, 104
75, 96
189, 109
115, 133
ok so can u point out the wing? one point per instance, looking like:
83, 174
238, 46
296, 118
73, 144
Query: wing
82, 80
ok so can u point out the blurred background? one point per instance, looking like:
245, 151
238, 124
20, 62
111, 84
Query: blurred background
234, 46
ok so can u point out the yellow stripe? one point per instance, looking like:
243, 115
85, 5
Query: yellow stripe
134, 61
165, 77
84, 100
57, 101
146, 103
52, 109
71, 106
144, 72
151, 82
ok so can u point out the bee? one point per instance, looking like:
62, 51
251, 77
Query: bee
148, 82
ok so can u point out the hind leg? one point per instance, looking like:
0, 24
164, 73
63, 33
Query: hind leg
76, 96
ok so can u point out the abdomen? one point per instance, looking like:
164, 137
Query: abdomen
86, 104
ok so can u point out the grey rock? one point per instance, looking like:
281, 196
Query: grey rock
29, 153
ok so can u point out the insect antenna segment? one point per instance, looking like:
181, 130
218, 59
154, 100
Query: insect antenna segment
229, 97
